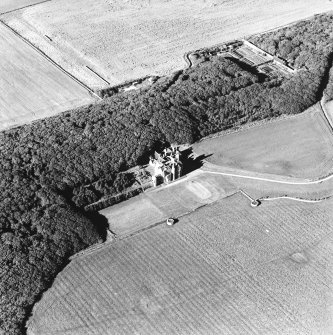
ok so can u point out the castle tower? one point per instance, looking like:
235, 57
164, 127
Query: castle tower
167, 166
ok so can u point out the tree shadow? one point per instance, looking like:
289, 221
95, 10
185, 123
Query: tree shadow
100, 222
248, 68
191, 162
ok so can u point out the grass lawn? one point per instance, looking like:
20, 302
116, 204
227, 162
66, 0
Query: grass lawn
298, 147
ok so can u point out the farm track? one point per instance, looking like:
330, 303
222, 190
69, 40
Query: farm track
277, 179
24, 7
188, 60
323, 88
328, 118
312, 198
294, 199
51, 60
264, 177
253, 287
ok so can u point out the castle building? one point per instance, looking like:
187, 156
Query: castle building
167, 166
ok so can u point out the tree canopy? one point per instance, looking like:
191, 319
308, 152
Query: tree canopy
52, 168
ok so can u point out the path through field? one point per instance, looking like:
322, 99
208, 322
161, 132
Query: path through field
31, 86
328, 110
224, 269
301, 146
123, 40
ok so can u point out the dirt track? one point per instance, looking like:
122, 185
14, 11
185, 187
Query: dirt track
7, 6
301, 147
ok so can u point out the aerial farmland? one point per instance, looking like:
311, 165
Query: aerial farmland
156, 205
224, 269
166, 167
108, 42
33, 86
11, 5
300, 146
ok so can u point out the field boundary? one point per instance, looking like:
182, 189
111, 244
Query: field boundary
50, 59
292, 181
257, 124
90, 250
328, 119
105, 244
308, 18
96, 74
189, 63
268, 198
294, 199
27, 6
153, 225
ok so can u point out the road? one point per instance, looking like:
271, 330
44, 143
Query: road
209, 168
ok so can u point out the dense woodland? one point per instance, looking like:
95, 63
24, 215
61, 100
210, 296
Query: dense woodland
308, 45
54, 167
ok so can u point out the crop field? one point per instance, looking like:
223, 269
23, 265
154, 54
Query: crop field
156, 205
32, 87
122, 40
299, 147
224, 269
9, 5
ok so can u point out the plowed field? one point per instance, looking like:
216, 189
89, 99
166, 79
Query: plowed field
9, 5
224, 269
32, 87
123, 40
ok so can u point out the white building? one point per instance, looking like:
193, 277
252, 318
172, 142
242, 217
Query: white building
167, 166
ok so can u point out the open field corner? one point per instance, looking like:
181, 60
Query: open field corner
31, 86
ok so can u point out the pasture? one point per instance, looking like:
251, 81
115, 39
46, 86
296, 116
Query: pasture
31, 86
124, 40
158, 204
223, 269
300, 147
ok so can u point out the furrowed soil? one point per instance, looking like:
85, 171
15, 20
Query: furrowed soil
301, 146
9, 5
224, 269
31, 86
124, 40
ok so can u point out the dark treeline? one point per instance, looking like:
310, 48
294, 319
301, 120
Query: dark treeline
39, 231
308, 45
52, 168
